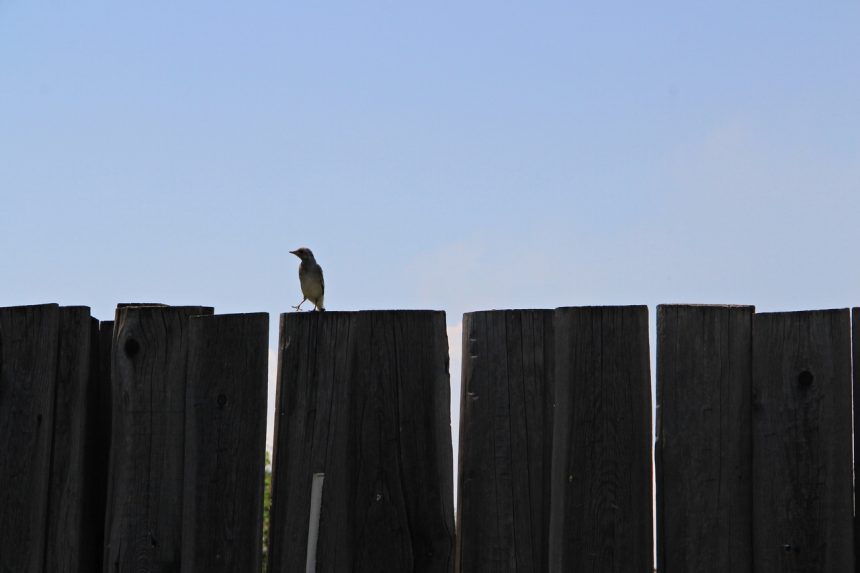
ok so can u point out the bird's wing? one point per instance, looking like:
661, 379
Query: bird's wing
322, 282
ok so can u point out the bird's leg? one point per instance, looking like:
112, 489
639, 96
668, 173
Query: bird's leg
299, 306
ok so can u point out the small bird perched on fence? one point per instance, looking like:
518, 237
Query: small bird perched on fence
311, 279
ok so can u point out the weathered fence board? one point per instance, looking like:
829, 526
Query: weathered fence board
601, 511
75, 525
225, 443
505, 441
364, 399
703, 452
802, 483
143, 518
28, 370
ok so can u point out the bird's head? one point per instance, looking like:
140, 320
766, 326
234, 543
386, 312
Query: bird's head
303, 253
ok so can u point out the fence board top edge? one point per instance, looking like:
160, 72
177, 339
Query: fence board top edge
231, 316
631, 307
508, 310
836, 311
354, 312
163, 307
41, 306
705, 305
76, 307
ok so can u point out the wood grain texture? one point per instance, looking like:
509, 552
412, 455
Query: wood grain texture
703, 452
75, 524
225, 443
144, 513
364, 398
802, 483
601, 514
28, 368
505, 441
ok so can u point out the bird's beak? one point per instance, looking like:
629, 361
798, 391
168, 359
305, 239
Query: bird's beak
296, 252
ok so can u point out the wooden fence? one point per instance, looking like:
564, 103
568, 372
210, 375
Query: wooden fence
138, 444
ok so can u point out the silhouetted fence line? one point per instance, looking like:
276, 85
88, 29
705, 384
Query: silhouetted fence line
138, 444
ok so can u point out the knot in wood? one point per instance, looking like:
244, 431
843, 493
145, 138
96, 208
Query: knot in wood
131, 347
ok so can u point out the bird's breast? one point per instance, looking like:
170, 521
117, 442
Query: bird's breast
311, 283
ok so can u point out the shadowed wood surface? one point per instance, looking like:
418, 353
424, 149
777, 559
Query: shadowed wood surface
855, 340
505, 441
364, 398
703, 452
144, 506
601, 513
75, 522
225, 443
363, 403
104, 432
28, 369
802, 483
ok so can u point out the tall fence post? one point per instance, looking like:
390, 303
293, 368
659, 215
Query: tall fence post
601, 513
144, 507
505, 441
75, 522
703, 452
364, 399
802, 483
28, 371
225, 443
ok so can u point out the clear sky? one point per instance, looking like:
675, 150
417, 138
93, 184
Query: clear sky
449, 155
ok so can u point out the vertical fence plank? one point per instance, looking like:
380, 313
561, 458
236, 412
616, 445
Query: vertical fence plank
75, 526
802, 485
855, 343
703, 452
28, 368
102, 441
364, 399
225, 443
601, 514
307, 402
505, 441
143, 518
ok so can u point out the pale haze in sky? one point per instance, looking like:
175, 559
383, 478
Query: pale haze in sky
447, 155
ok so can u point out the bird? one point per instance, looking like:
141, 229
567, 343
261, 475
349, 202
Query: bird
310, 278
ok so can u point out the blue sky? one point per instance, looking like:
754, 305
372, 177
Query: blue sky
449, 155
